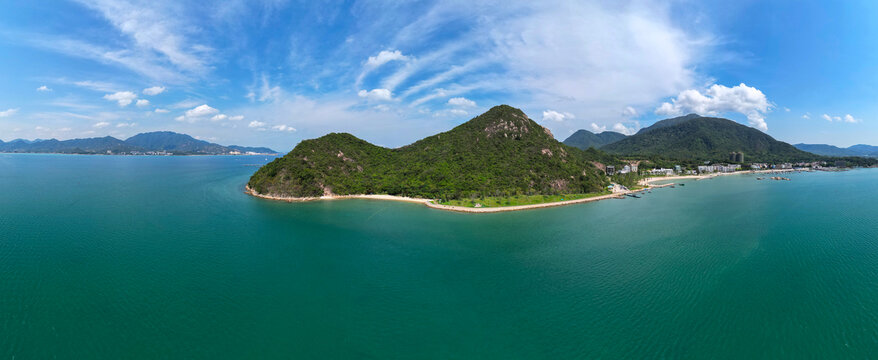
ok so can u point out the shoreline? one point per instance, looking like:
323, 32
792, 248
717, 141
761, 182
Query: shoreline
432, 204
647, 184
648, 181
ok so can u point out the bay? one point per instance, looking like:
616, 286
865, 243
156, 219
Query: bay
166, 257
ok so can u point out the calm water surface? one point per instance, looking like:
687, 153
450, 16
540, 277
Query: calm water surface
166, 257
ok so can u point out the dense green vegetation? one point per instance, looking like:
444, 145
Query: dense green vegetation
585, 139
498, 201
501, 153
697, 138
178, 144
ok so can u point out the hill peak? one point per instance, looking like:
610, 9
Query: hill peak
504, 121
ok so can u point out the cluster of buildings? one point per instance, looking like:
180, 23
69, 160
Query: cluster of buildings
630, 168
764, 166
718, 168
162, 153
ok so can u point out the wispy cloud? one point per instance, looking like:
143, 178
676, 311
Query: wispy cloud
8, 113
156, 28
155, 90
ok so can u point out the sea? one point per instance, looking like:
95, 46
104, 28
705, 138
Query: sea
114, 257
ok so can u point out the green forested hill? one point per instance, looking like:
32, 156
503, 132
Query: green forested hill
498, 153
694, 137
585, 139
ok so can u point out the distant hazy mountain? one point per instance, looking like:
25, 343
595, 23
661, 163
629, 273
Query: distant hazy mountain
159, 141
174, 142
258, 150
693, 137
585, 139
829, 150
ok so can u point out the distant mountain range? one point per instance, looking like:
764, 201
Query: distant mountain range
585, 139
698, 138
829, 150
159, 142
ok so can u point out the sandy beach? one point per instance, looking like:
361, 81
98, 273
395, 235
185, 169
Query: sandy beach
432, 203
646, 183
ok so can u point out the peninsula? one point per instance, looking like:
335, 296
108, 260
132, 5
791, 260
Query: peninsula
501, 153
504, 161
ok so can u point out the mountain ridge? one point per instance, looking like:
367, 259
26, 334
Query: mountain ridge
500, 152
156, 141
694, 137
585, 139
862, 150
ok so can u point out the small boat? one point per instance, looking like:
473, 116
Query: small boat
682, 184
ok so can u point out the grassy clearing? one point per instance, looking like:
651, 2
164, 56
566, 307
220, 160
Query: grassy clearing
495, 201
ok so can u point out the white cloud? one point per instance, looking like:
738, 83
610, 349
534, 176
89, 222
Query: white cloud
219, 117
41, 128
458, 112
786, 109
283, 128
850, 119
597, 129
376, 94
8, 113
125, 125
556, 116
384, 57
162, 111
124, 98
621, 128
142, 103
236, 117
155, 90
461, 102
718, 99
374, 62
629, 112
180, 118
101, 124
65, 129
201, 111
256, 124
806, 116
44, 88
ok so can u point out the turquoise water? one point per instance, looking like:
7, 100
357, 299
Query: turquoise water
165, 257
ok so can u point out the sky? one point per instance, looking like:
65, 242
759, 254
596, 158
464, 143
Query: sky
275, 72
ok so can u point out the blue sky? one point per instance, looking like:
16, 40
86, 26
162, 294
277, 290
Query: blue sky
276, 72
